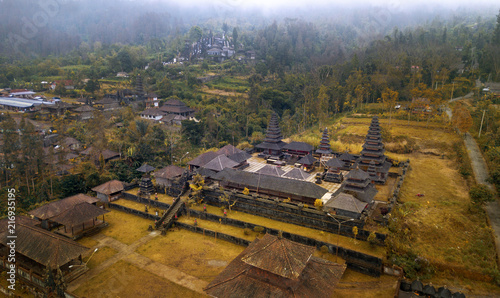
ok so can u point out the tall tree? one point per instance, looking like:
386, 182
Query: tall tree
235, 39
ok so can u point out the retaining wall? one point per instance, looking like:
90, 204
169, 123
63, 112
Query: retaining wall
290, 213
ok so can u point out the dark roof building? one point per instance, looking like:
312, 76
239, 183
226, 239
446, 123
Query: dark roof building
55, 208
271, 185
298, 148
168, 172
324, 145
202, 160
228, 150
358, 184
38, 250
219, 163
345, 205
270, 170
81, 217
174, 106
372, 156
272, 144
296, 173
276, 267
307, 160
109, 191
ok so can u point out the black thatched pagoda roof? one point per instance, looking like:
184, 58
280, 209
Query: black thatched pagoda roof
358, 174
298, 146
276, 267
272, 146
346, 202
240, 157
347, 157
297, 173
324, 145
203, 159
270, 170
273, 134
334, 163
219, 163
145, 168
228, 150
307, 160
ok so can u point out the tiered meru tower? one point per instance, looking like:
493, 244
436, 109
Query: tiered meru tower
372, 158
272, 143
324, 145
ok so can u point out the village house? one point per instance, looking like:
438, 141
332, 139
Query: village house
47, 212
84, 112
153, 114
176, 107
109, 191
152, 100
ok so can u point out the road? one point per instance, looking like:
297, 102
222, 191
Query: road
481, 173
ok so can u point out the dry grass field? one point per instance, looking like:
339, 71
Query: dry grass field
439, 226
350, 243
100, 256
123, 279
125, 227
197, 255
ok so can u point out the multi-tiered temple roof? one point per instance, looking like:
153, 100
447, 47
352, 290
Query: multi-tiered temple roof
372, 157
272, 143
358, 183
324, 145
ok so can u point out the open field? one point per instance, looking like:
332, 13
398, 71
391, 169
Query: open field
123, 279
356, 285
197, 255
125, 227
101, 255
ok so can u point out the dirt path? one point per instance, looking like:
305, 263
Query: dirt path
127, 253
481, 173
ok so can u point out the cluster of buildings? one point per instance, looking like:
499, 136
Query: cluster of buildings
345, 183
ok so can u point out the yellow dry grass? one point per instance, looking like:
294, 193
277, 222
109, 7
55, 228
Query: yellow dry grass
123, 279
442, 215
346, 242
219, 92
356, 285
197, 255
125, 227
100, 256
88, 242
161, 197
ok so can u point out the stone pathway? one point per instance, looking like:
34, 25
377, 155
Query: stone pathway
127, 252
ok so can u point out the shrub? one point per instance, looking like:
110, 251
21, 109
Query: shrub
480, 193
372, 238
324, 249
259, 229
246, 231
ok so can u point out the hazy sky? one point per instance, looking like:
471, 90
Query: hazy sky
316, 3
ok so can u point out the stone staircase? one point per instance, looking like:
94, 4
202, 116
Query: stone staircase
166, 220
